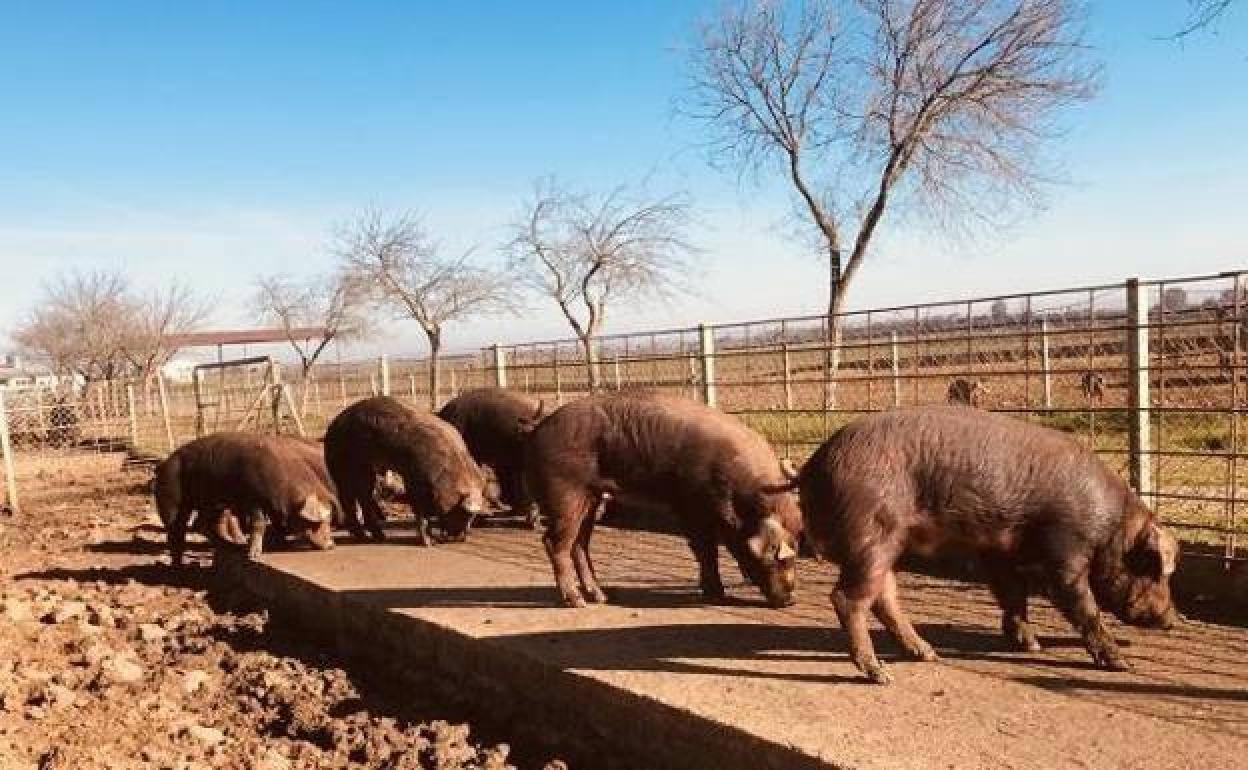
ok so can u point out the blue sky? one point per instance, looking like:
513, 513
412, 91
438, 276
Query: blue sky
216, 141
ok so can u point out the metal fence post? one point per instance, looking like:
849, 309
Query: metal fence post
454, 389
500, 366
383, 368
134, 417
896, 356
1045, 371
1138, 399
706, 352
6, 447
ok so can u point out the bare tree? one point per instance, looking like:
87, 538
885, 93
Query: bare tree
940, 103
395, 259
156, 318
585, 252
96, 326
1203, 14
334, 304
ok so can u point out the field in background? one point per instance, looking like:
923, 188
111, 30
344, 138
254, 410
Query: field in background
1030, 352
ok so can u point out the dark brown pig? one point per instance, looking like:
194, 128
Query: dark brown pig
494, 423
709, 468
1030, 501
261, 480
439, 475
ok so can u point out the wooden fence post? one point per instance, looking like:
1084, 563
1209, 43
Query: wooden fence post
500, 366
164, 411
706, 353
1138, 398
6, 447
383, 368
134, 417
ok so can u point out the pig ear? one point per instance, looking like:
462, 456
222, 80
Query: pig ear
1158, 549
769, 544
785, 552
789, 469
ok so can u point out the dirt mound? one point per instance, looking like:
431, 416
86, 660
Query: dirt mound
105, 667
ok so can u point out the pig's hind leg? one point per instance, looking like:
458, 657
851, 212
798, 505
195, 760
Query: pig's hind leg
887, 609
567, 508
862, 581
584, 564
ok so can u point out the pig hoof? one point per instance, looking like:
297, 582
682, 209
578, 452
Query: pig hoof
597, 596
1112, 662
574, 602
925, 653
878, 674
1023, 642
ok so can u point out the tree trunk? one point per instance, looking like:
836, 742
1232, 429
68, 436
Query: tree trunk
435, 372
591, 362
832, 329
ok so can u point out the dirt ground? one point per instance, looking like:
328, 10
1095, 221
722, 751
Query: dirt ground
112, 660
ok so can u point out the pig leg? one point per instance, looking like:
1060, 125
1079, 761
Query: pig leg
255, 542
585, 565
350, 499
176, 536
1010, 590
374, 516
1073, 596
566, 509
888, 610
856, 592
705, 547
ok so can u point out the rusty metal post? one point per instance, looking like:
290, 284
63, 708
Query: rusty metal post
1045, 371
896, 356
706, 353
1138, 399
6, 447
787, 363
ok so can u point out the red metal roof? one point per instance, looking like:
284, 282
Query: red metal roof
243, 337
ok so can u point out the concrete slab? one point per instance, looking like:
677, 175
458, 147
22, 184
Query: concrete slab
658, 679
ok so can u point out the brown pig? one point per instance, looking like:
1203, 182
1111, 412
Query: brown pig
439, 475
494, 423
708, 467
1030, 501
261, 480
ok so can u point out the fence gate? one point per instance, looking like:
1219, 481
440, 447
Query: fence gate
243, 394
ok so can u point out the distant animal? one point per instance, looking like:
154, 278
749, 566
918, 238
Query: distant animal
1092, 385
227, 483
709, 468
966, 392
494, 423
440, 478
1034, 503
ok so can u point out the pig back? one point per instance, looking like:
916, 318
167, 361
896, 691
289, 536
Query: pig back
652, 445
490, 422
969, 474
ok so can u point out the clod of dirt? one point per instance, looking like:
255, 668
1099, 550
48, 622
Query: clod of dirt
65, 612
121, 670
194, 681
205, 736
150, 632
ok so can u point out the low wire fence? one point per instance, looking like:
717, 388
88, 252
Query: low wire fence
1150, 374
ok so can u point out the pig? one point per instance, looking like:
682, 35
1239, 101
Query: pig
1033, 503
1092, 384
965, 392
494, 424
439, 475
261, 480
708, 467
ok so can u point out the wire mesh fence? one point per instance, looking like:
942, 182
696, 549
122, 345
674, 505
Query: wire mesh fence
1152, 375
